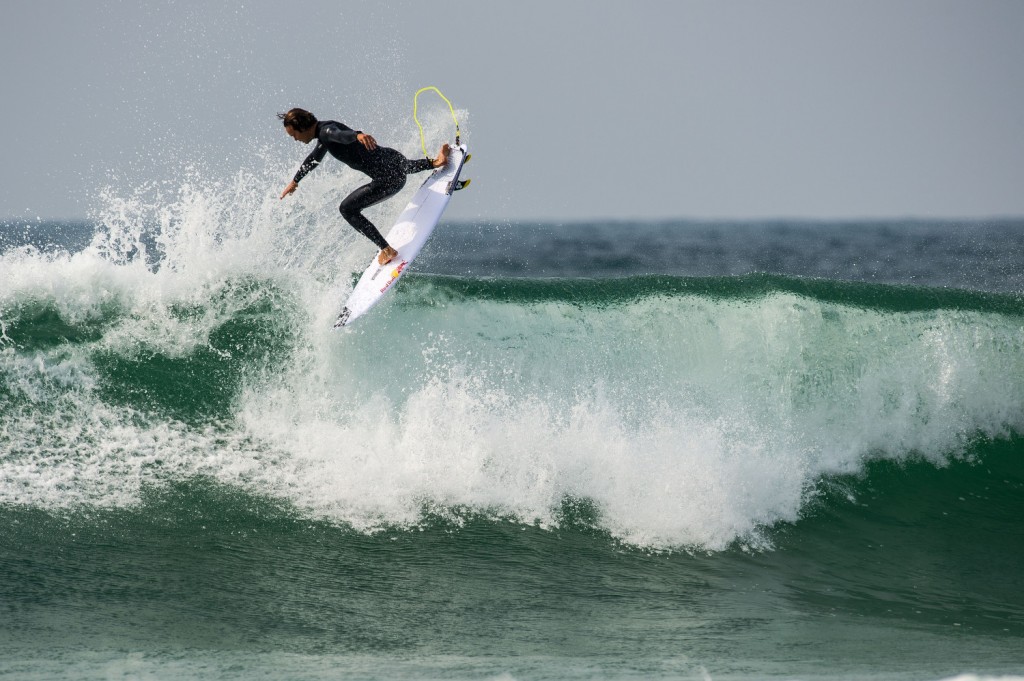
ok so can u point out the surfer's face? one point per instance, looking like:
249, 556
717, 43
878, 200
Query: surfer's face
304, 136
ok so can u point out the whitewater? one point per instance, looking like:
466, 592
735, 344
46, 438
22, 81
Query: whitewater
690, 413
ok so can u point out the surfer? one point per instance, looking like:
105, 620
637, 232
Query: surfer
386, 167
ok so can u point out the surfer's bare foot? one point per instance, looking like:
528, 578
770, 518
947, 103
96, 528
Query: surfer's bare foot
442, 156
386, 256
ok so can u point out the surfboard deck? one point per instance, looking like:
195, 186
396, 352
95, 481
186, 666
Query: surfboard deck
412, 229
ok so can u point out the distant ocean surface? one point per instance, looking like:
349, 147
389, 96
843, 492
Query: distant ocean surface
605, 450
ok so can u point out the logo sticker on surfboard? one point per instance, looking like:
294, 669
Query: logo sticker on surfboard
394, 275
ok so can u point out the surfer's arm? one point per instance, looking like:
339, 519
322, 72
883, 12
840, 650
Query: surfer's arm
339, 133
312, 161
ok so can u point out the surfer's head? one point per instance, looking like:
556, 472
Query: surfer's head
300, 124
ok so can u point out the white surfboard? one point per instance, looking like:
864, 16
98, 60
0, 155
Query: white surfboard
411, 231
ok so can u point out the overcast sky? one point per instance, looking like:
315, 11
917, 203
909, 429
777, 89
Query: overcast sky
576, 110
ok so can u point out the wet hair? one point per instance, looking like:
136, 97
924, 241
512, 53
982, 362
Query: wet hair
299, 119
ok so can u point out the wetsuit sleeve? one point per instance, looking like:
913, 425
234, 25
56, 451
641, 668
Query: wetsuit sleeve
312, 161
339, 133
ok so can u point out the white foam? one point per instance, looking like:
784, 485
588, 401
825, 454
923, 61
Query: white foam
720, 428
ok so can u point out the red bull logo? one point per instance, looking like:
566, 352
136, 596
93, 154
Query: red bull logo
394, 275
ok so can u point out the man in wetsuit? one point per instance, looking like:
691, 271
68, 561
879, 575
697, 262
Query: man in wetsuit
386, 167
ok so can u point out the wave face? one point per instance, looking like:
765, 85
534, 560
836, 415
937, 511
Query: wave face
687, 412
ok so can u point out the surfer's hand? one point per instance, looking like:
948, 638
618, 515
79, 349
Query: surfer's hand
292, 186
367, 141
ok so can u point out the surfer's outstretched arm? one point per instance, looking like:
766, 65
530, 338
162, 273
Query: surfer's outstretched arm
312, 161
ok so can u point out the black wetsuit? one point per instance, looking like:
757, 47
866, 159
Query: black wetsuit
386, 167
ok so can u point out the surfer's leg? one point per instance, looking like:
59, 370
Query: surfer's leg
351, 209
418, 165
368, 195
421, 164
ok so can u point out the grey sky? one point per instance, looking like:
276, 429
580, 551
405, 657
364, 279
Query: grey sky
577, 110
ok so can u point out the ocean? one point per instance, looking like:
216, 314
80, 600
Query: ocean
597, 450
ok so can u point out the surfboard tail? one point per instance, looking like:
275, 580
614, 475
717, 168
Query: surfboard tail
343, 318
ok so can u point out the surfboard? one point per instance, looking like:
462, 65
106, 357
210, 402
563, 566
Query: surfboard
412, 229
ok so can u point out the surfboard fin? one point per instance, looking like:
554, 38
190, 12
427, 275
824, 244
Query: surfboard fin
461, 184
342, 318
467, 159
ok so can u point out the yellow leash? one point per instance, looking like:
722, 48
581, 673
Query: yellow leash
423, 142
